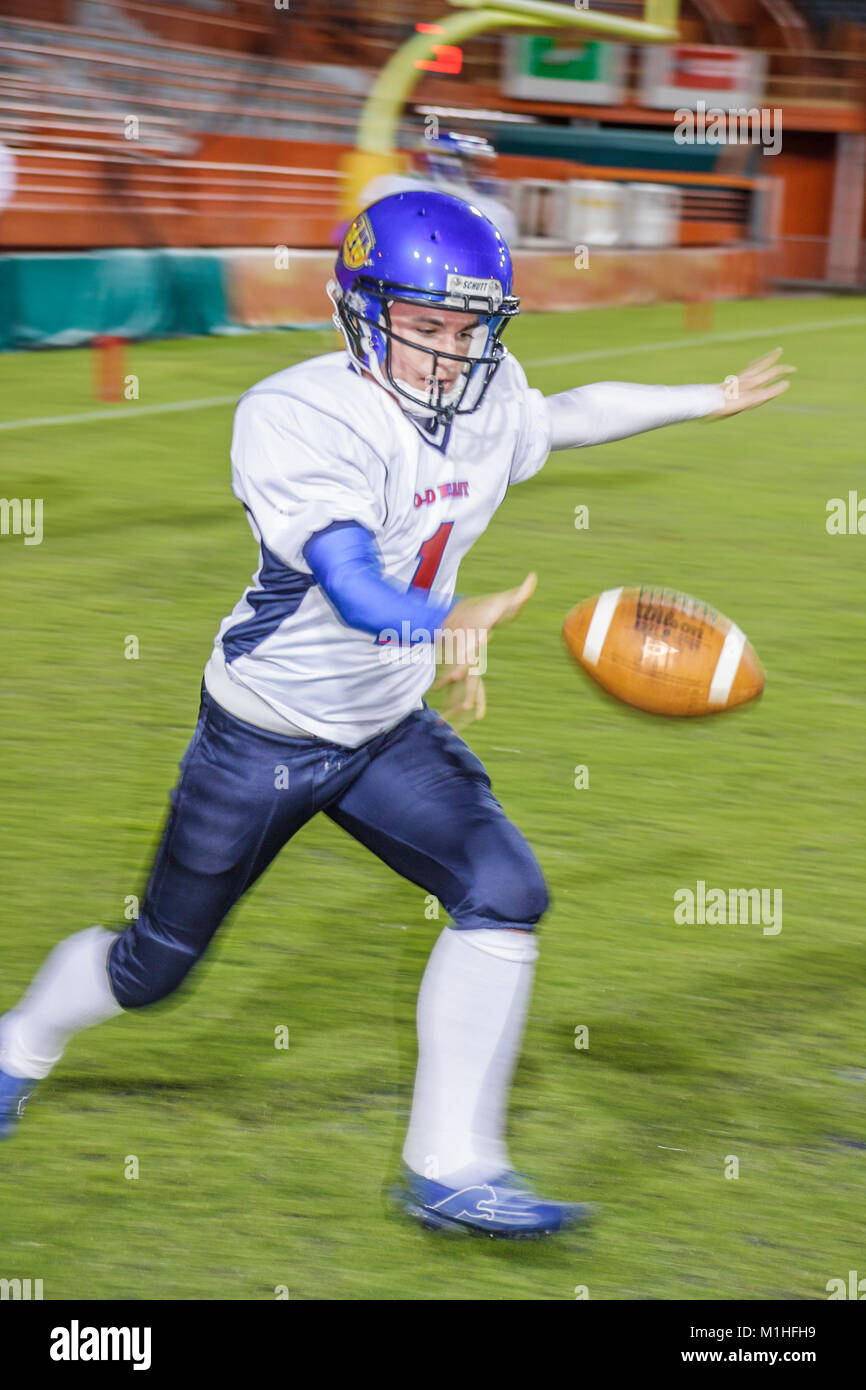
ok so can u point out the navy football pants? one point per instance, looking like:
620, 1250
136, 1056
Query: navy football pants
417, 796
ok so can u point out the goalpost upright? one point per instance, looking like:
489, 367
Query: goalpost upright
375, 151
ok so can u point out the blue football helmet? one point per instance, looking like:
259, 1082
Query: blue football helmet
424, 247
454, 156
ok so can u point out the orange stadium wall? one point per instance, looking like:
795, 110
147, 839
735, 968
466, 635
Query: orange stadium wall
805, 166
263, 296
104, 211
103, 214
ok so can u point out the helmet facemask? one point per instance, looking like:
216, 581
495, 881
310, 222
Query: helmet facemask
365, 320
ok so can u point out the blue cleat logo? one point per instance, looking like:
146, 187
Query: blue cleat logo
482, 1203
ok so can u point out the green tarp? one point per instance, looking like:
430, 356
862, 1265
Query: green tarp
61, 300
610, 148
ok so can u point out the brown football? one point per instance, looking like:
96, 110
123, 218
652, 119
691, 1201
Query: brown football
663, 652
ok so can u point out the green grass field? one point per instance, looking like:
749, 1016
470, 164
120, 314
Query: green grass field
261, 1168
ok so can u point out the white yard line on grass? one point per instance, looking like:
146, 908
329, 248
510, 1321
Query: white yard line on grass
84, 416
594, 355
697, 340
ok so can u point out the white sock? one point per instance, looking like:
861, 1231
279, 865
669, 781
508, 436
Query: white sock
69, 993
471, 1011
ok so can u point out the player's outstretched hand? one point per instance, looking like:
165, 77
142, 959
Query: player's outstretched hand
471, 620
488, 610
754, 385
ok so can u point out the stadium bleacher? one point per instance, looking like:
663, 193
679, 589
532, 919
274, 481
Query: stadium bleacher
223, 122
829, 19
118, 122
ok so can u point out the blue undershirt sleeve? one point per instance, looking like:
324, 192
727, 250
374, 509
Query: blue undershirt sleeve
345, 563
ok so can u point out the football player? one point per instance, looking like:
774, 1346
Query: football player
453, 163
366, 475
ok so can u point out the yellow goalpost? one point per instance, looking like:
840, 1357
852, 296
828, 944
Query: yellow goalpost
375, 151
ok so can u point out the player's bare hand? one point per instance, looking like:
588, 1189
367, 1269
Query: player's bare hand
761, 381
470, 620
481, 614
466, 699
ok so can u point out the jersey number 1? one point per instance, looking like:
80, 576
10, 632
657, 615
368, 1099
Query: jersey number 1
430, 557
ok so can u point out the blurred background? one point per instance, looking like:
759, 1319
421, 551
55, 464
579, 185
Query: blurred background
174, 178
231, 128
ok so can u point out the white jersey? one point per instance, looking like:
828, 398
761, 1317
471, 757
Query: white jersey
318, 443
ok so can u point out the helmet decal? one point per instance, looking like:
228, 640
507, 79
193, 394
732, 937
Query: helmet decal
359, 242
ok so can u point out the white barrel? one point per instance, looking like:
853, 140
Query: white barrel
651, 214
595, 212
541, 209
